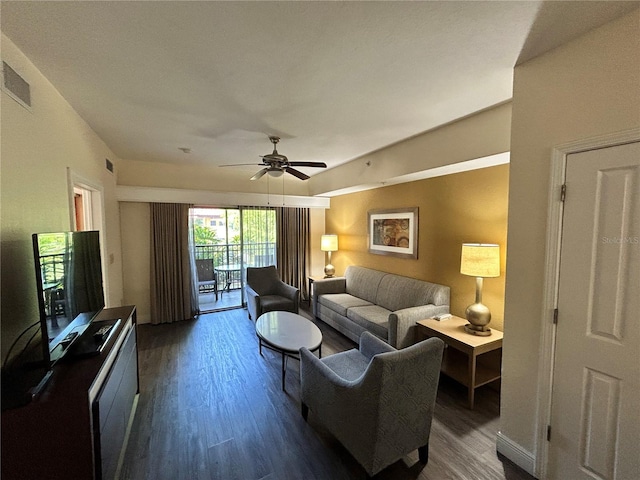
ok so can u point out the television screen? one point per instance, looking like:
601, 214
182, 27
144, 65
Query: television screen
70, 289
69, 286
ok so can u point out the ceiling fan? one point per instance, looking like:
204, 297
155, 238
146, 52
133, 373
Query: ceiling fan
276, 164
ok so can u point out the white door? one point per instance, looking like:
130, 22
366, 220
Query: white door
595, 413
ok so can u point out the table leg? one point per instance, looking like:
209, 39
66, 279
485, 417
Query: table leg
260, 343
472, 380
284, 369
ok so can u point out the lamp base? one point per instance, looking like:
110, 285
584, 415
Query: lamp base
329, 271
475, 330
478, 316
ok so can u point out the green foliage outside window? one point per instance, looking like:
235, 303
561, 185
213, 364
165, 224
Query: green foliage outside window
205, 236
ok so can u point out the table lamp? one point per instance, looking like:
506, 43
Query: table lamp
479, 260
329, 243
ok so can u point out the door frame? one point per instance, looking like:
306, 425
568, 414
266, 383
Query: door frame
548, 332
97, 214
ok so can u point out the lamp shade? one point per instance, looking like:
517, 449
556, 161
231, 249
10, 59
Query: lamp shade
329, 243
480, 260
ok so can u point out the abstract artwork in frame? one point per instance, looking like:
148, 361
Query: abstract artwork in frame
394, 232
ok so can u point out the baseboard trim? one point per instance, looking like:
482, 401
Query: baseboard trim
515, 453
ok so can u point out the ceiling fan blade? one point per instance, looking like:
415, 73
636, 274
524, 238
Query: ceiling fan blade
259, 174
308, 164
243, 165
296, 173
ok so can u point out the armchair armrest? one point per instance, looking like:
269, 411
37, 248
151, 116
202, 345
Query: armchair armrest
313, 371
253, 302
288, 291
323, 390
402, 323
371, 345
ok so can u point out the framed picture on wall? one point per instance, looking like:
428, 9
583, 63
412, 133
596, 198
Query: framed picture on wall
394, 232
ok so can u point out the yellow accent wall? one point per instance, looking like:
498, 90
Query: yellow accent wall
453, 209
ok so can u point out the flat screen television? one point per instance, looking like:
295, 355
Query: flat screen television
70, 294
69, 282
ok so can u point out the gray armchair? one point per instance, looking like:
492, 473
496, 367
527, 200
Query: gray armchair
377, 401
265, 292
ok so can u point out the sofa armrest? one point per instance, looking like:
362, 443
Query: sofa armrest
327, 285
402, 323
330, 285
371, 345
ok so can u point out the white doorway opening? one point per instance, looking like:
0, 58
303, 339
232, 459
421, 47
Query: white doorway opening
86, 212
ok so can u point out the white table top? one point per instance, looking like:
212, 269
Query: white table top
288, 331
454, 327
228, 268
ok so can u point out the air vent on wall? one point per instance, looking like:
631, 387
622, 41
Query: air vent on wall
16, 86
109, 165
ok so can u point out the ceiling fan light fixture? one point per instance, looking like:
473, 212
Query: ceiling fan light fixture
276, 164
275, 172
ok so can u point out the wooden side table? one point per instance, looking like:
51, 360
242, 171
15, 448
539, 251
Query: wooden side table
483, 360
313, 278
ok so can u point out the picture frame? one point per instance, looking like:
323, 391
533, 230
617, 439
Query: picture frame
394, 232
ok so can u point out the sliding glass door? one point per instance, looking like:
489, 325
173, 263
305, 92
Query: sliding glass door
226, 242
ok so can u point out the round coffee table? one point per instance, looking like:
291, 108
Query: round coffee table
287, 333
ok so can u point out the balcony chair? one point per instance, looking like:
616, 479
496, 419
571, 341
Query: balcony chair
376, 400
265, 292
207, 278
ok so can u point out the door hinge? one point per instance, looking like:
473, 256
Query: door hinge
548, 433
555, 316
563, 192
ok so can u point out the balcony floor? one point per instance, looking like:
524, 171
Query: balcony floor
226, 299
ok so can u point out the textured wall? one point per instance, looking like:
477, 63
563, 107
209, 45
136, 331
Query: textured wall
38, 147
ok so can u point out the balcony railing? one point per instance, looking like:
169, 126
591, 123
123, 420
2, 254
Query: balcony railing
52, 266
247, 255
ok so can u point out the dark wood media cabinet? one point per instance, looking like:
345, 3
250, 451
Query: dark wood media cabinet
76, 428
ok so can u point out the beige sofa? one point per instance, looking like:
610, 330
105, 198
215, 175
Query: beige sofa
384, 304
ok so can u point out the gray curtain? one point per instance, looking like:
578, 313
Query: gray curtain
293, 249
173, 292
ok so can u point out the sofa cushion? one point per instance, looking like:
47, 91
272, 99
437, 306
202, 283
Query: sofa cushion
372, 317
340, 302
397, 292
363, 282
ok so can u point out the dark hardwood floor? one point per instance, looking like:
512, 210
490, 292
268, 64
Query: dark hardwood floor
211, 407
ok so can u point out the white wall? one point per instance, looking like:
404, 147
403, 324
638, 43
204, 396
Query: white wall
586, 88
37, 148
481, 134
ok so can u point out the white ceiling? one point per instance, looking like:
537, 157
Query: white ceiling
335, 80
